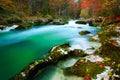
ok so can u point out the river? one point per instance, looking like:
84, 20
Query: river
20, 47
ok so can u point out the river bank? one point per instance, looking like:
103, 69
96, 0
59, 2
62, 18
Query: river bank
109, 52
30, 22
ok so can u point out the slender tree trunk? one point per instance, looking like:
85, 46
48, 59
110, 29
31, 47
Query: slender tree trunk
59, 12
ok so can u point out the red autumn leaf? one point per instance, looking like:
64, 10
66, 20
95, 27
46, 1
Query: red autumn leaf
101, 65
87, 78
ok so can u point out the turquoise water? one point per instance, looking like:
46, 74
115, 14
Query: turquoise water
19, 48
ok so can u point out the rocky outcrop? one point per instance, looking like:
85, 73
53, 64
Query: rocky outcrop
28, 23
56, 54
42, 21
91, 21
59, 22
33, 22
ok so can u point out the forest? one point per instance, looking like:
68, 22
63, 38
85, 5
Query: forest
32, 8
24, 9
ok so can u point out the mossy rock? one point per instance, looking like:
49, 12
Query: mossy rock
38, 22
111, 54
25, 25
81, 22
91, 23
59, 22
107, 33
111, 51
84, 32
77, 53
83, 69
59, 52
95, 24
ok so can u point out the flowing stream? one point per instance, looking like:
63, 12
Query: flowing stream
20, 47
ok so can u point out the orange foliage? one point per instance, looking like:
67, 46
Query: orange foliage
118, 18
7, 4
95, 5
107, 8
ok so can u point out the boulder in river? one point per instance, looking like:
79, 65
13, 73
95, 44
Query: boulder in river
81, 22
1, 27
84, 32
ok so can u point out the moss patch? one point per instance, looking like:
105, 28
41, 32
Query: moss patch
83, 69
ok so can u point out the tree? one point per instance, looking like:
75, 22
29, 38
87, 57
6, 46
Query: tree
111, 8
106, 8
92, 7
60, 8
74, 8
